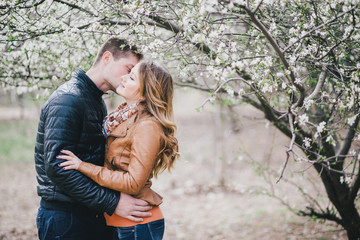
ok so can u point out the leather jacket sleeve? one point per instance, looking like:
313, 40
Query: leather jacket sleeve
62, 131
144, 152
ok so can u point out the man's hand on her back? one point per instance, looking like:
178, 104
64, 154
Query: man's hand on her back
132, 208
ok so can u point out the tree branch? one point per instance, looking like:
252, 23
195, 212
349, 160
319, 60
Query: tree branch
220, 87
319, 84
75, 6
318, 27
348, 140
258, 6
199, 87
323, 215
173, 28
355, 188
291, 123
21, 7
277, 49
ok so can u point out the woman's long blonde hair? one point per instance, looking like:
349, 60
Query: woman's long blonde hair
156, 86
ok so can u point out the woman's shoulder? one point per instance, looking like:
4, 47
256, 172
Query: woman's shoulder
149, 121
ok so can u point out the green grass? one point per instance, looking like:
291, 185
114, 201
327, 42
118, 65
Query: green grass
17, 141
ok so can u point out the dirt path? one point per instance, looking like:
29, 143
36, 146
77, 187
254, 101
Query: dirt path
191, 211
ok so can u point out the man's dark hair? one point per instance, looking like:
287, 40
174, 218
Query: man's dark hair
119, 48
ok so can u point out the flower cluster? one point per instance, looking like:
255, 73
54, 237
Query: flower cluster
297, 58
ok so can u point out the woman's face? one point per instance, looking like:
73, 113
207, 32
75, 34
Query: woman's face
129, 87
115, 69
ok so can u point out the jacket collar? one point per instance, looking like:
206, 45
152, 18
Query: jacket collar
87, 83
121, 130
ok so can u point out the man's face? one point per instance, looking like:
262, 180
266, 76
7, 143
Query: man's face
115, 69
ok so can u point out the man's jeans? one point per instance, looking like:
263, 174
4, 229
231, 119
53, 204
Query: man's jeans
149, 231
71, 224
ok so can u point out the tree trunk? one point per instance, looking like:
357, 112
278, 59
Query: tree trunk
350, 220
339, 195
220, 151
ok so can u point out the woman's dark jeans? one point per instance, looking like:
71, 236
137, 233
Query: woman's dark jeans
149, 231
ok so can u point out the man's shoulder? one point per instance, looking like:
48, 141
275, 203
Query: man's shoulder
66, 95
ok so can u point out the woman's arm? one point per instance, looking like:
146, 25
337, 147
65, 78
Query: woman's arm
144, 152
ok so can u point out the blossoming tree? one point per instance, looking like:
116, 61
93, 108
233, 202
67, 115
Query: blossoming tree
296, 61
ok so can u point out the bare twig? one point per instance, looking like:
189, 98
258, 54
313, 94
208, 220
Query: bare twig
290, 146
258, 6
220, 87
195, 86
76, 7
17, 5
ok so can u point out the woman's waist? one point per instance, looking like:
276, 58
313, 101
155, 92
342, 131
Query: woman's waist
117, 221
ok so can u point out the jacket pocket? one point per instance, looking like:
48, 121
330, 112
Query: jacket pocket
121, 134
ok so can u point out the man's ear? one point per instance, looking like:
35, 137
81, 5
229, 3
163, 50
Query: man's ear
106, 57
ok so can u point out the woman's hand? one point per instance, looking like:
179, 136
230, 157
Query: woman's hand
73, 162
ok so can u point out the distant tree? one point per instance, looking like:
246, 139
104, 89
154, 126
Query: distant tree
296, 61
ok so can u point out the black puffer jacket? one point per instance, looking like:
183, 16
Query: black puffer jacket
71, 119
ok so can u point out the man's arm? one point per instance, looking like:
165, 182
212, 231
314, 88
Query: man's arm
64, 117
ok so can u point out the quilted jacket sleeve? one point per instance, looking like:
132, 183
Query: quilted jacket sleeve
144, 152
63, 127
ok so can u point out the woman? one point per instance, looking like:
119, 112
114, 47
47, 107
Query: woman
140, 144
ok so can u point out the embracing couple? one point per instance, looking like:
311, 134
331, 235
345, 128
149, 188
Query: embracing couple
94, 169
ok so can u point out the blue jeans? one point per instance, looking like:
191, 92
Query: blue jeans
71, 225
149, 231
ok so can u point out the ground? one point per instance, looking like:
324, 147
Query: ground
190, 212
214, 192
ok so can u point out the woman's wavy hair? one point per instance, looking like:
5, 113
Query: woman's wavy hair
156, 85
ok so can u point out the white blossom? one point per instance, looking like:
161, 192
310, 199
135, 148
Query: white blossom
303, 119
230, 91
331, 140
342, 179
352, 119
308, 103
242, 91
212, 99
320, 128
267, 88
347, 179
307, 142
352, 152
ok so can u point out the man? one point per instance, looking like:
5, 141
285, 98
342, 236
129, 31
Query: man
72, 205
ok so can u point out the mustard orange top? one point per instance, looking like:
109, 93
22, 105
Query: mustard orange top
117, 221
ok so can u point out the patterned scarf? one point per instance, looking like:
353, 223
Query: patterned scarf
113, 119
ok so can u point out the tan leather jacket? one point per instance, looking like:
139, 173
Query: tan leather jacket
132, 150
